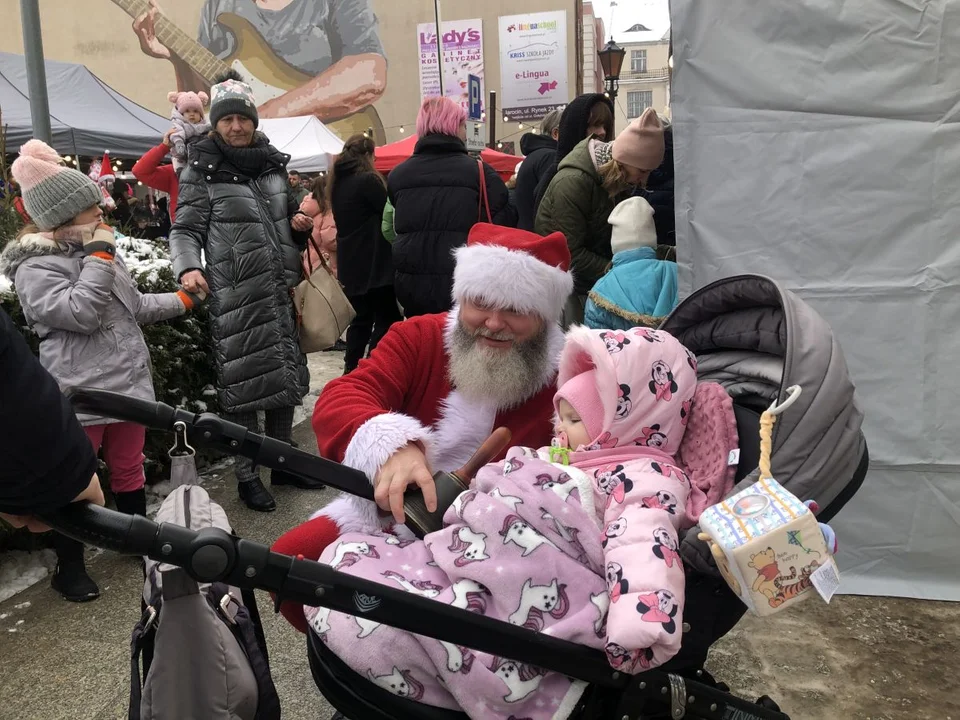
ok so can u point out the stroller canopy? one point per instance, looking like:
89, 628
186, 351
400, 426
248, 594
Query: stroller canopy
756, 339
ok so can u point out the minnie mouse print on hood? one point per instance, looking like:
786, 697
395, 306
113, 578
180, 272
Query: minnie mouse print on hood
622, 407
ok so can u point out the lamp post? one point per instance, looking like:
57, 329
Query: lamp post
611, 60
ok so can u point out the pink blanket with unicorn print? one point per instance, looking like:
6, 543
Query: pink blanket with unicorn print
521, 547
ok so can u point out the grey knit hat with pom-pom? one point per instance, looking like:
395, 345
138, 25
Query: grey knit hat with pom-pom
52, 193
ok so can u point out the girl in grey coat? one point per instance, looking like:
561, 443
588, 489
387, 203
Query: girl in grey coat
78, 296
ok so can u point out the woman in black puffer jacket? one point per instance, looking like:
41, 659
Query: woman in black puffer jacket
436, 200
357, 195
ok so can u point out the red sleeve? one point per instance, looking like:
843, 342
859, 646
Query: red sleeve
150, 172
382, 384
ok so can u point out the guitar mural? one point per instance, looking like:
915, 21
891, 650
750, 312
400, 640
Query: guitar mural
260, 65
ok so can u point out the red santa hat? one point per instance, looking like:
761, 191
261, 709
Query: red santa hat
514, 269
106, 169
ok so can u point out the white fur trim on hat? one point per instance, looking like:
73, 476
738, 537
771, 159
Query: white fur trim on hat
511, 279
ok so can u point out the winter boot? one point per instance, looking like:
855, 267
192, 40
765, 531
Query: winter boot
70, 579
279, 477
256, 496
133, 502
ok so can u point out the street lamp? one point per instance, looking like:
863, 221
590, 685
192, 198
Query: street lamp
611, 60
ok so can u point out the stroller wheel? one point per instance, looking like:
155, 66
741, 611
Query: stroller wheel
339, 716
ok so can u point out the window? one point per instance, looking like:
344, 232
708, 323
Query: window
637, 102
638, 61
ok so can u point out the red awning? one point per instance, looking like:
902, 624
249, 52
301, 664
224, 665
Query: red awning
390, 155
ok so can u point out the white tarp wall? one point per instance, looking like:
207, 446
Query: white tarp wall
817, 141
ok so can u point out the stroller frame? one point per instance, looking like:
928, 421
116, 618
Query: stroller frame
211, 555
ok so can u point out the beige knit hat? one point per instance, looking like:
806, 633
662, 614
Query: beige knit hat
641, 144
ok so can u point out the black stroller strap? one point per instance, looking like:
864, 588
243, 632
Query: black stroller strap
137, 642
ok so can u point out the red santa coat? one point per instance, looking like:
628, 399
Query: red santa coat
403, 394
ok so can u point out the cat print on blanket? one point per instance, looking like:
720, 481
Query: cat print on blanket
423, 588
535, 600
563, 486
349, 553
517, 531
471, 546
520, 679
470, 595
400, 682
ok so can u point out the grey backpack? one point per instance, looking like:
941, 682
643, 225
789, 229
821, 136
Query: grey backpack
200, 645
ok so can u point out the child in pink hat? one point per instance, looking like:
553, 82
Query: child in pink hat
189, 124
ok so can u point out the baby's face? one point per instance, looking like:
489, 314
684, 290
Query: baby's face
572, 426
192, 115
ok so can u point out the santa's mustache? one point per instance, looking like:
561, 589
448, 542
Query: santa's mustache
500, 336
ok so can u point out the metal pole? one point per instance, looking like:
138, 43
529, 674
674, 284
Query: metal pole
436, 16
492, 117
36, 73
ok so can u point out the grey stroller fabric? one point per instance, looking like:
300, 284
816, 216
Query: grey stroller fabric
206, 661
756, 339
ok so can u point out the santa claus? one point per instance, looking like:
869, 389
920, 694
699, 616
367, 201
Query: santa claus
437, 385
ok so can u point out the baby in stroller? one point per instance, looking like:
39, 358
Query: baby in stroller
578, 541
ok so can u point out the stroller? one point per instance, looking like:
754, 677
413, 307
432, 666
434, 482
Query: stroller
749, 334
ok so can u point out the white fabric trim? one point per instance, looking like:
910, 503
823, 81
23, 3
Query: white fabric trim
372, 444
507, 278
570, 700
462, 427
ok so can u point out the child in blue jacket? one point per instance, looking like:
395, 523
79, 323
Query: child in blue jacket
639, 290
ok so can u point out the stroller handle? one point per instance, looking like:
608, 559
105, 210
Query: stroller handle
211, 555
212, 431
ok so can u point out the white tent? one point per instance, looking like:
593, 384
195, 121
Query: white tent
818, 141
307, 140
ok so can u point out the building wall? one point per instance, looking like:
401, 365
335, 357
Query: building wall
98, 34
656, 80
592, 42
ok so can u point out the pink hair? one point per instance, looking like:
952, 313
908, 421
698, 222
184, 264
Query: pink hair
440, 115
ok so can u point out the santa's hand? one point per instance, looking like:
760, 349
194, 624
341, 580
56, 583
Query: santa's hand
407, 466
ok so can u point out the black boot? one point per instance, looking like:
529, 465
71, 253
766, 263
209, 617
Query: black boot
279, 477
256, 496
133, 502
70, 579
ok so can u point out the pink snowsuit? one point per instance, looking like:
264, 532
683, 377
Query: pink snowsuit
586, 552
322, 240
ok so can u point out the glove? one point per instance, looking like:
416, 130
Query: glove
100, 243
191, 300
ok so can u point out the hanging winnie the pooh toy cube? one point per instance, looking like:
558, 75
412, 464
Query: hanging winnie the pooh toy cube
767, 543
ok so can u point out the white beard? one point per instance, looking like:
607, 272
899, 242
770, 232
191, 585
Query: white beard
506, 378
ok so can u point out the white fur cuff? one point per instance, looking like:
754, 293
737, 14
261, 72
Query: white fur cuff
379, 438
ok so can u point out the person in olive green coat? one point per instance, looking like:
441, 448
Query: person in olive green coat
583, 193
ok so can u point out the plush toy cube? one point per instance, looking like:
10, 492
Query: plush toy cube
767, 544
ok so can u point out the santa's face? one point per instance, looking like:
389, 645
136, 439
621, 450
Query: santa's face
497, 328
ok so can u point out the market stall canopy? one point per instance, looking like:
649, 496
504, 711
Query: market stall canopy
307, 141
87, 116
391, 155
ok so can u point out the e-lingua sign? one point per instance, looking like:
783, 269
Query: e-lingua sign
533, 64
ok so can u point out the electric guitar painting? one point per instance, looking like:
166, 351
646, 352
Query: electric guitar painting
254, 59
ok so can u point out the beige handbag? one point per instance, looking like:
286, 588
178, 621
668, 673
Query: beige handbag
323, 310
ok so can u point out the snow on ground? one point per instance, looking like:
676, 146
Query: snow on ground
20, 569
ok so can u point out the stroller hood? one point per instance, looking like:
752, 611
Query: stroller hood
756, 339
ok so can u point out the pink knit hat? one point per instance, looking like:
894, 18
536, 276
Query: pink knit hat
582, 394
184, 101
641, 144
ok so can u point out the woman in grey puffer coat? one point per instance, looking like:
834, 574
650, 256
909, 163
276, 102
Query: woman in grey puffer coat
234, 205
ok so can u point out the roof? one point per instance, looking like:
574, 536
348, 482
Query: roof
641, 21
87, 116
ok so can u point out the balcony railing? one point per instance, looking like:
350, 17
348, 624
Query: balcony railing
660, 74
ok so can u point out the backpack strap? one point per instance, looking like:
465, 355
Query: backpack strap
250, 637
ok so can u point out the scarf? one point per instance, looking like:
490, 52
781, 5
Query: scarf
251, 160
